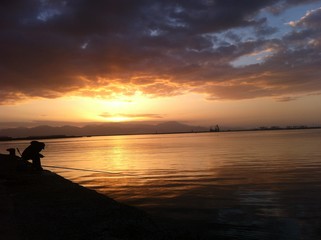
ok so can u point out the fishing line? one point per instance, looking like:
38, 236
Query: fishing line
82, 169
88, 170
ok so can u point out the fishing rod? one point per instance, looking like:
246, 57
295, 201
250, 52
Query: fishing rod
82, 169
19, 152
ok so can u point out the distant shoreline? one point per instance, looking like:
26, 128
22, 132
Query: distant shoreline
273, 128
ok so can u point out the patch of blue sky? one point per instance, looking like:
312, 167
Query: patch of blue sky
281, 21
231, 37
251, 59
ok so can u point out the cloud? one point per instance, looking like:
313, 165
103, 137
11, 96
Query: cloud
286, 98
310, 20
140, 115
282, 5
50, 49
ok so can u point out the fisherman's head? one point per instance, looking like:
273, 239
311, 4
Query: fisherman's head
38, 144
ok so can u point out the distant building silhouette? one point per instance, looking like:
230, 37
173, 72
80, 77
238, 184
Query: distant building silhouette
216, 129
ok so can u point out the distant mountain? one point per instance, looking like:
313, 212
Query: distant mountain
100, 129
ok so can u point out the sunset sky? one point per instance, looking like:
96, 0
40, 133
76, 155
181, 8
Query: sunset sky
242, 63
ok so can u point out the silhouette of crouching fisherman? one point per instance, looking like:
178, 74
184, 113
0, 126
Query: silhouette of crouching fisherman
32, 152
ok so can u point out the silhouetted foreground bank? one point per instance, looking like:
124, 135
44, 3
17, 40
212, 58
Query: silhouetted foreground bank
47, 206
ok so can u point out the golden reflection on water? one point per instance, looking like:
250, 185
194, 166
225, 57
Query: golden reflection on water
227, 178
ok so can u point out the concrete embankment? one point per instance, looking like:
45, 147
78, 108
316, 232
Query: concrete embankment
46, 206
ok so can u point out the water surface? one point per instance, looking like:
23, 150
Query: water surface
242, 185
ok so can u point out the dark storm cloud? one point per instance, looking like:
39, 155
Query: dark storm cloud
162, 48
282, 5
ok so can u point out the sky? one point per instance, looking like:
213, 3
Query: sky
234, 63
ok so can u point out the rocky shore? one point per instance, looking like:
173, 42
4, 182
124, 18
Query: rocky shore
44, 205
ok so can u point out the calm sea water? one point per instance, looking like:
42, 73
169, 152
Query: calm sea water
242, 185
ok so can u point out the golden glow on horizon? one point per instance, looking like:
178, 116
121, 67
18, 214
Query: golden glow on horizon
119, 119
118, 109
190, 108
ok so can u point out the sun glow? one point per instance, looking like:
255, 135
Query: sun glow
119, 109
118, 119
